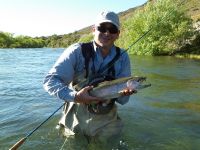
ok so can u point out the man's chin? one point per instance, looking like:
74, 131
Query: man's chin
105, 44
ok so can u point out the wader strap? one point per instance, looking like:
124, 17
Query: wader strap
88, 53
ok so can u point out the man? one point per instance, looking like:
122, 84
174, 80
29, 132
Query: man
83, 113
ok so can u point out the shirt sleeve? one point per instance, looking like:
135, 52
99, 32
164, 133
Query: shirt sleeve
57, 82
124, 72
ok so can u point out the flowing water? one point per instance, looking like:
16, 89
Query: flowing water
165, 116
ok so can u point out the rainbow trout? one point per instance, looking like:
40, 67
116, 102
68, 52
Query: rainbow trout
111, 89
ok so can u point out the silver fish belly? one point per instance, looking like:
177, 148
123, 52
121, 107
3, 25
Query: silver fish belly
111, 89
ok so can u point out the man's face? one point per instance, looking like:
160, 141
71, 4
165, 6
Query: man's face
105, 34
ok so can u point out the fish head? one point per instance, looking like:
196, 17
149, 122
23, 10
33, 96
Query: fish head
137, 79
137, 83
140, 79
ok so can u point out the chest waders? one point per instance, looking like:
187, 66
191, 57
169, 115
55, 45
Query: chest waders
96, 77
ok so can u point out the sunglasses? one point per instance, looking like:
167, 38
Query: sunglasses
103, 29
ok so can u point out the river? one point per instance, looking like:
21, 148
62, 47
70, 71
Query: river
165, 116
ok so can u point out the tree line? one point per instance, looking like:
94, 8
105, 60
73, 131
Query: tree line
7, 40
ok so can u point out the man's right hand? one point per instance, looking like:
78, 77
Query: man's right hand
83, 96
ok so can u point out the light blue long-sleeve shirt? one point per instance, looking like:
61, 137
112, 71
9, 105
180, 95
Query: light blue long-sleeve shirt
71, 64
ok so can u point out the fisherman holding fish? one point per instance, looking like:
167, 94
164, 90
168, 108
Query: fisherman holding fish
79, 69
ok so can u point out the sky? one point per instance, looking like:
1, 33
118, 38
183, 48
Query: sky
47, 17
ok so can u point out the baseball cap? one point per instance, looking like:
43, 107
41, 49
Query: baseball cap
108, 16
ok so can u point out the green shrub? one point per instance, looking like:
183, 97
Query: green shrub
169, 26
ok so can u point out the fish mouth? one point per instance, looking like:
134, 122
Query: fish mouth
141, 79
142, 85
